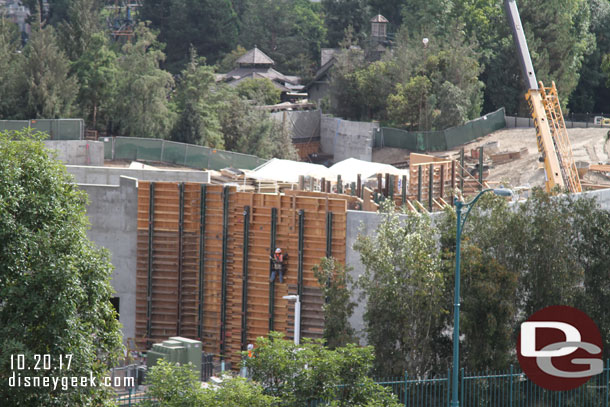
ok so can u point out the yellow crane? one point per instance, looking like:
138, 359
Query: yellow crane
551, 133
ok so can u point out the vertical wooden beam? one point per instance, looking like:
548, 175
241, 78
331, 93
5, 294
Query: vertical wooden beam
272, 283
223, 292
359, 186
201, 259
301, 244
301, 182
180, 250
244, 287
339, 184
329, 234
328, 188
323, 185
419, 181
430, 185
462, 170
442, 190
481, 168
452, 175
151, 231
404, 189
387, 185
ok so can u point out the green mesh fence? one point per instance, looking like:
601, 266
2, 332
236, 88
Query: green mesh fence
188, 155
57, 129
440, 140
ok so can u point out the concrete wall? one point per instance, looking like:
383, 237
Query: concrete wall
110, 175
78, 152
346, 139
365, 223
303, 125
113, 213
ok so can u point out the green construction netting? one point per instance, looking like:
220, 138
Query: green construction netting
197, 156
440, 140
57, 129
131, 148
173, 152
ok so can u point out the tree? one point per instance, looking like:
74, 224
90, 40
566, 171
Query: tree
260, 90
229, 61
290, 32
197, 103
176, 386
251, 131
301, 374
412, 105
10, 63
336, 282
141, 106
97, 74
54, 283
78, 30
341, 14
47, 90
208, 26
402, 284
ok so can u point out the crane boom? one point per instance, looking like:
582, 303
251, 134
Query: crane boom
551, 134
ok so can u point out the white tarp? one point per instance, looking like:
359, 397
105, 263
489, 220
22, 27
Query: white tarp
351, 167
289, 171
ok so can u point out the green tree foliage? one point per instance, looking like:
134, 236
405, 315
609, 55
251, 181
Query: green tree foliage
251, 131
341, 14
412, 104
10, 64
46, 89
403, 286
229, 61
197, 102
54, 283
414, 87
336, 282
211, 27
76, 33
97, 74
177, 386
290, 32
300, 374
260, 90
141, 106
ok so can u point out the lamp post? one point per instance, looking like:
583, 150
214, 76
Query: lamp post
297, 316
456, 303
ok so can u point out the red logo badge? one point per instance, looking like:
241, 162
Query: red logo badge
560, 348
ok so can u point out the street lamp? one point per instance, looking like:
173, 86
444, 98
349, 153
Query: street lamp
297, 316
456, 303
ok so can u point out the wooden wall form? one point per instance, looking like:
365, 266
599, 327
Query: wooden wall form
178, 299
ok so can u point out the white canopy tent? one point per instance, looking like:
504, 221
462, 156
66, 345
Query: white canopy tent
351, 167
289, 171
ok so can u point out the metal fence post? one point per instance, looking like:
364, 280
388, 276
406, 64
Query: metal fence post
406, 387
607, 380
510, 381
462, 387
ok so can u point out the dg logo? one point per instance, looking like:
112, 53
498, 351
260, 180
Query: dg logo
560, 348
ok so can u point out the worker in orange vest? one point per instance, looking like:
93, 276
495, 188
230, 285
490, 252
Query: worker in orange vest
277, 265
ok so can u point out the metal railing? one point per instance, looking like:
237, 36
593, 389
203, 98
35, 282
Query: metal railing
508, 388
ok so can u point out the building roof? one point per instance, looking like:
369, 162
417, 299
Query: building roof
379, 19
255, 57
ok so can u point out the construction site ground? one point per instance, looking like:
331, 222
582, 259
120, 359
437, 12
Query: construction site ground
588, 145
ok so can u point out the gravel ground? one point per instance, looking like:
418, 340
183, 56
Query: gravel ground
588, 145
